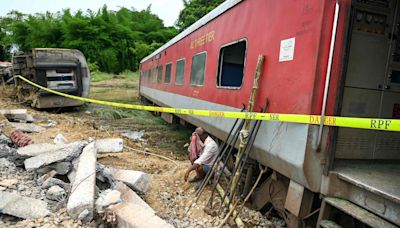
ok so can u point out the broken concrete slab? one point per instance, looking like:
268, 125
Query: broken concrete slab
56, 193
133, 211
67, 153
22, 207
61, 168
137, 180
111, 145
39, 148
28, 127
130, 197
81, 201
107, 198
132, 215
14, 114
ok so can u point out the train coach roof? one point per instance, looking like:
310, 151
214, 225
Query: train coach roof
225, 6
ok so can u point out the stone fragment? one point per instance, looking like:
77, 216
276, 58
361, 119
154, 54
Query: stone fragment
83, 188
60, 139
68, 153
61, 168
4, 139
107, 198
6, 151
9, 183
22, 207
39, 148
111, 145
132, 215
72, 173
137, 180
56, 193
28, 127
6, 165
46, 176
55, 182
134, 135
130, 197
104, 176
14, 114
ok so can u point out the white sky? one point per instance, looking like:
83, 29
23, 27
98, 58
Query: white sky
167, 10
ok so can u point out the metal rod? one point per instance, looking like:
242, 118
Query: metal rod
247, 154
247, 151
231, 146
236, 168
328, 75
219, 157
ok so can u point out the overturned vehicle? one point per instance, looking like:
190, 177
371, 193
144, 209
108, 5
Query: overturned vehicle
63, 70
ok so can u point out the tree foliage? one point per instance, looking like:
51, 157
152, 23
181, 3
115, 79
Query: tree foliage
194, 10
112, 40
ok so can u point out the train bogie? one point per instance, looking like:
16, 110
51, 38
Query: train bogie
322, 58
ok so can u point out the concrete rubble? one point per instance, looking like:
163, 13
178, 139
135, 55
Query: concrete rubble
39, 148
60, 139
64, 154
56, 193
37, 185
9, 183
28, 127
22, 207
61, 168
137, 180
133, 211
111, 145
107, 198
81, 201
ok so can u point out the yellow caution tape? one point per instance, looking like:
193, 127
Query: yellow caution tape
335, 121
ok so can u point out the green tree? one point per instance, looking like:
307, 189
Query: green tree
194, 10
114, 41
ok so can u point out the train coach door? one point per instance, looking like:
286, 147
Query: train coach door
372, 83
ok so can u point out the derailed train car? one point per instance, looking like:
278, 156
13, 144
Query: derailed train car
323, 57
63, 70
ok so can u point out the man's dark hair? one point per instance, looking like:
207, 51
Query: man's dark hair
203, 134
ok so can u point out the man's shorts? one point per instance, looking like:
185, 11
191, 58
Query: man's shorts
206, 168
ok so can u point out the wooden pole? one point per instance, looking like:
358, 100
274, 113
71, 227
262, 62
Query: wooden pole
246, 127
238, 221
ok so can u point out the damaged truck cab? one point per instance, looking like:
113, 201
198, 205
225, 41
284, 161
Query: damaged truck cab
63, 70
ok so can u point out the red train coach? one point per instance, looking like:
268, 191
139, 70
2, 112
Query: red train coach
323, 57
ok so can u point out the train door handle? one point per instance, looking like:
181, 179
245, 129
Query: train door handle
387, 86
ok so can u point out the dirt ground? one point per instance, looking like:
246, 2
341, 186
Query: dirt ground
169, 195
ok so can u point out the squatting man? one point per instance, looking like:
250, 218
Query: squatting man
203, 152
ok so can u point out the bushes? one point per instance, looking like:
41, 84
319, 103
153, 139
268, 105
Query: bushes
112, 41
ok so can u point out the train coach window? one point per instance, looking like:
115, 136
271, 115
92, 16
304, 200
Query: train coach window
154, 75
198, 69
159, 74
231, 65
168, 73
180, 72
